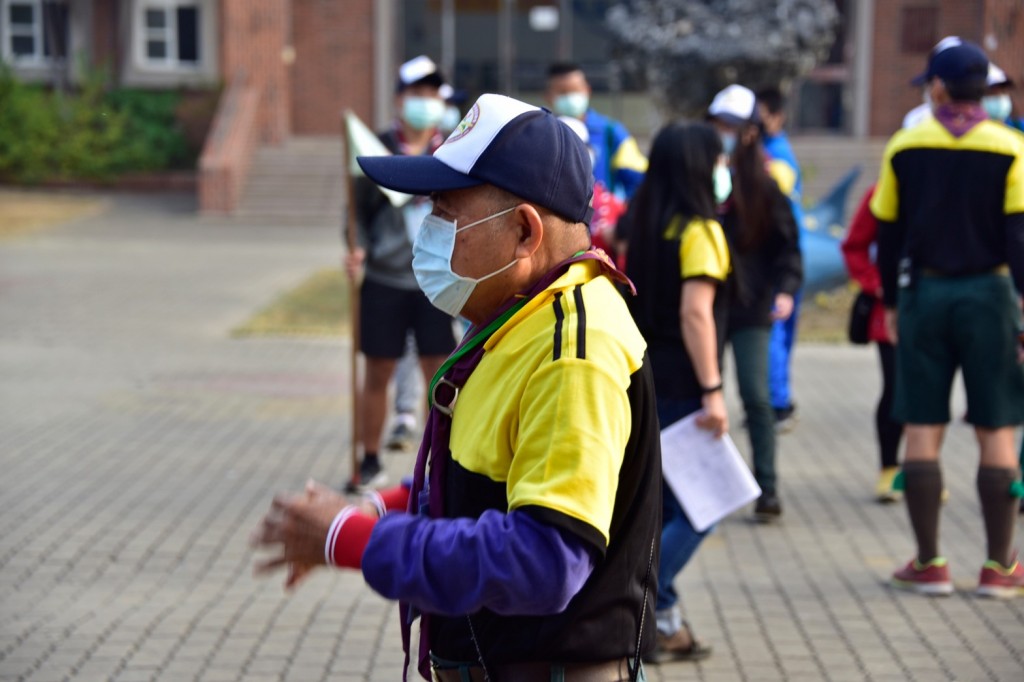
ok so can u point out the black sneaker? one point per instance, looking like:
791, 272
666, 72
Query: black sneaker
768, 508
785, 418
371, 475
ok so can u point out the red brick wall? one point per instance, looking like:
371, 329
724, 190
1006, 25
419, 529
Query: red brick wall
105, 41
1004, 39
253, 35
229, 149
333, 69
892, 68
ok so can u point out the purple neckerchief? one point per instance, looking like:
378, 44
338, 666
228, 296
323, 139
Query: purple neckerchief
959, 117
429, 498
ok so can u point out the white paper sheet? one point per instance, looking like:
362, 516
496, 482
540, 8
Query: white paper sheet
707, 474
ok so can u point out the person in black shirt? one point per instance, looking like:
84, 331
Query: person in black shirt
950, 206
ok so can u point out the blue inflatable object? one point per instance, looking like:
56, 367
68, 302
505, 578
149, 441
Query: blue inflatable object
820, 235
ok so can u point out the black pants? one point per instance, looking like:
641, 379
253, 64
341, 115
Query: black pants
889, 431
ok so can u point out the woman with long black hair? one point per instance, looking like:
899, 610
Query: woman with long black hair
768, 270
678, 259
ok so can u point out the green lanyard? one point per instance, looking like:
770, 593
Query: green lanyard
475, 341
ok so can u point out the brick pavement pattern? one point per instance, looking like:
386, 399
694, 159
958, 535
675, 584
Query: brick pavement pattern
139, 445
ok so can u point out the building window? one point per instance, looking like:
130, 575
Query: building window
168, 34
34, 31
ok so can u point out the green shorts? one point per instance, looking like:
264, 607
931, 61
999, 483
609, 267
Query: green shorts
970, 323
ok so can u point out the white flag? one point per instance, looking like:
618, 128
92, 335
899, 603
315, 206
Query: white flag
363, 142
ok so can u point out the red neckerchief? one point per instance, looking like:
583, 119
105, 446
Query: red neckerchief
427, 492
959, 117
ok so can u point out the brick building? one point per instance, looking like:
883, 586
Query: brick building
903, 32
290, 67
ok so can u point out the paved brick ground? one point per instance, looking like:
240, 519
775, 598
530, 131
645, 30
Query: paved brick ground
139, 444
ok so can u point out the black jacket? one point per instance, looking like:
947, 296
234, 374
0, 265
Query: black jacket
763, 270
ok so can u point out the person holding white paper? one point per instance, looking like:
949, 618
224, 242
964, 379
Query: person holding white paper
678, 258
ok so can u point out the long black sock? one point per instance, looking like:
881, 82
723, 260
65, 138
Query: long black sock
888, 429
922, 488
999, 509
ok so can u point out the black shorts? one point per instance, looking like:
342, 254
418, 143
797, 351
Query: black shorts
387, 315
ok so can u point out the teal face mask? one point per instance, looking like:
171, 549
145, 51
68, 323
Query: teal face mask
723, 183
422, 113
573, 104
997, 107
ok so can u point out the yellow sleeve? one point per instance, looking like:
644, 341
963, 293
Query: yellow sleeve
783, 174
1015, 185
885, 202
703, 251
629, 156
575, 423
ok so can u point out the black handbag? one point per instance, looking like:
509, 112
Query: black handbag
860, 318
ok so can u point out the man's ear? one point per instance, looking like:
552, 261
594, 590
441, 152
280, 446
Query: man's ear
529, 230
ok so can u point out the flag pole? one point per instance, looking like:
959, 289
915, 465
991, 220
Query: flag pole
355, 284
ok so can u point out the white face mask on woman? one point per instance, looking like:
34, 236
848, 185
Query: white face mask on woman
432, 263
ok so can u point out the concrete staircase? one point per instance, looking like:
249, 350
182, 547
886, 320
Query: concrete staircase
300, 182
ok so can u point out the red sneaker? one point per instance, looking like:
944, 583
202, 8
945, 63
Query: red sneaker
1000, 582
931, 578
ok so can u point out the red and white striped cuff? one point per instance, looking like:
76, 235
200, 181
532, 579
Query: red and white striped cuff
347, 538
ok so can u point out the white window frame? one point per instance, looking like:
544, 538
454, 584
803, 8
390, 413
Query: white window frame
168, 34
37, 58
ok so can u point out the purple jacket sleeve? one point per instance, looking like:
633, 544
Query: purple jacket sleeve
509, 563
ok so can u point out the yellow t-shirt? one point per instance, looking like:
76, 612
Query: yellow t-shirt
703, 251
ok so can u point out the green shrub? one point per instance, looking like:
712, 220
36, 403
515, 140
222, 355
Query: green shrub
89, 134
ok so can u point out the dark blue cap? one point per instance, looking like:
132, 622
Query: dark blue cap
954, 60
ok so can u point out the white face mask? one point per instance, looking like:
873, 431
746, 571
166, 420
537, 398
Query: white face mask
432, 263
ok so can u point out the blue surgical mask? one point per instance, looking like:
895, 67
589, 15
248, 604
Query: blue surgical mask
723, 183
572, 104
997, 107
432, 263
422, 113
728, 143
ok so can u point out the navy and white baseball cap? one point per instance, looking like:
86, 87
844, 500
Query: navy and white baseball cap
954, 59
419, 71
997, 77
736, 105
503, 142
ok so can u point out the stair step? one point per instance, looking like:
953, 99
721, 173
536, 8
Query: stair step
301, 181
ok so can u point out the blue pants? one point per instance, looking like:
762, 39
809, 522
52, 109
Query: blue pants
678, 538
780, 348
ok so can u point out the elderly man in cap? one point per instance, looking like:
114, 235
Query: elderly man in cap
950, 208
527, 537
